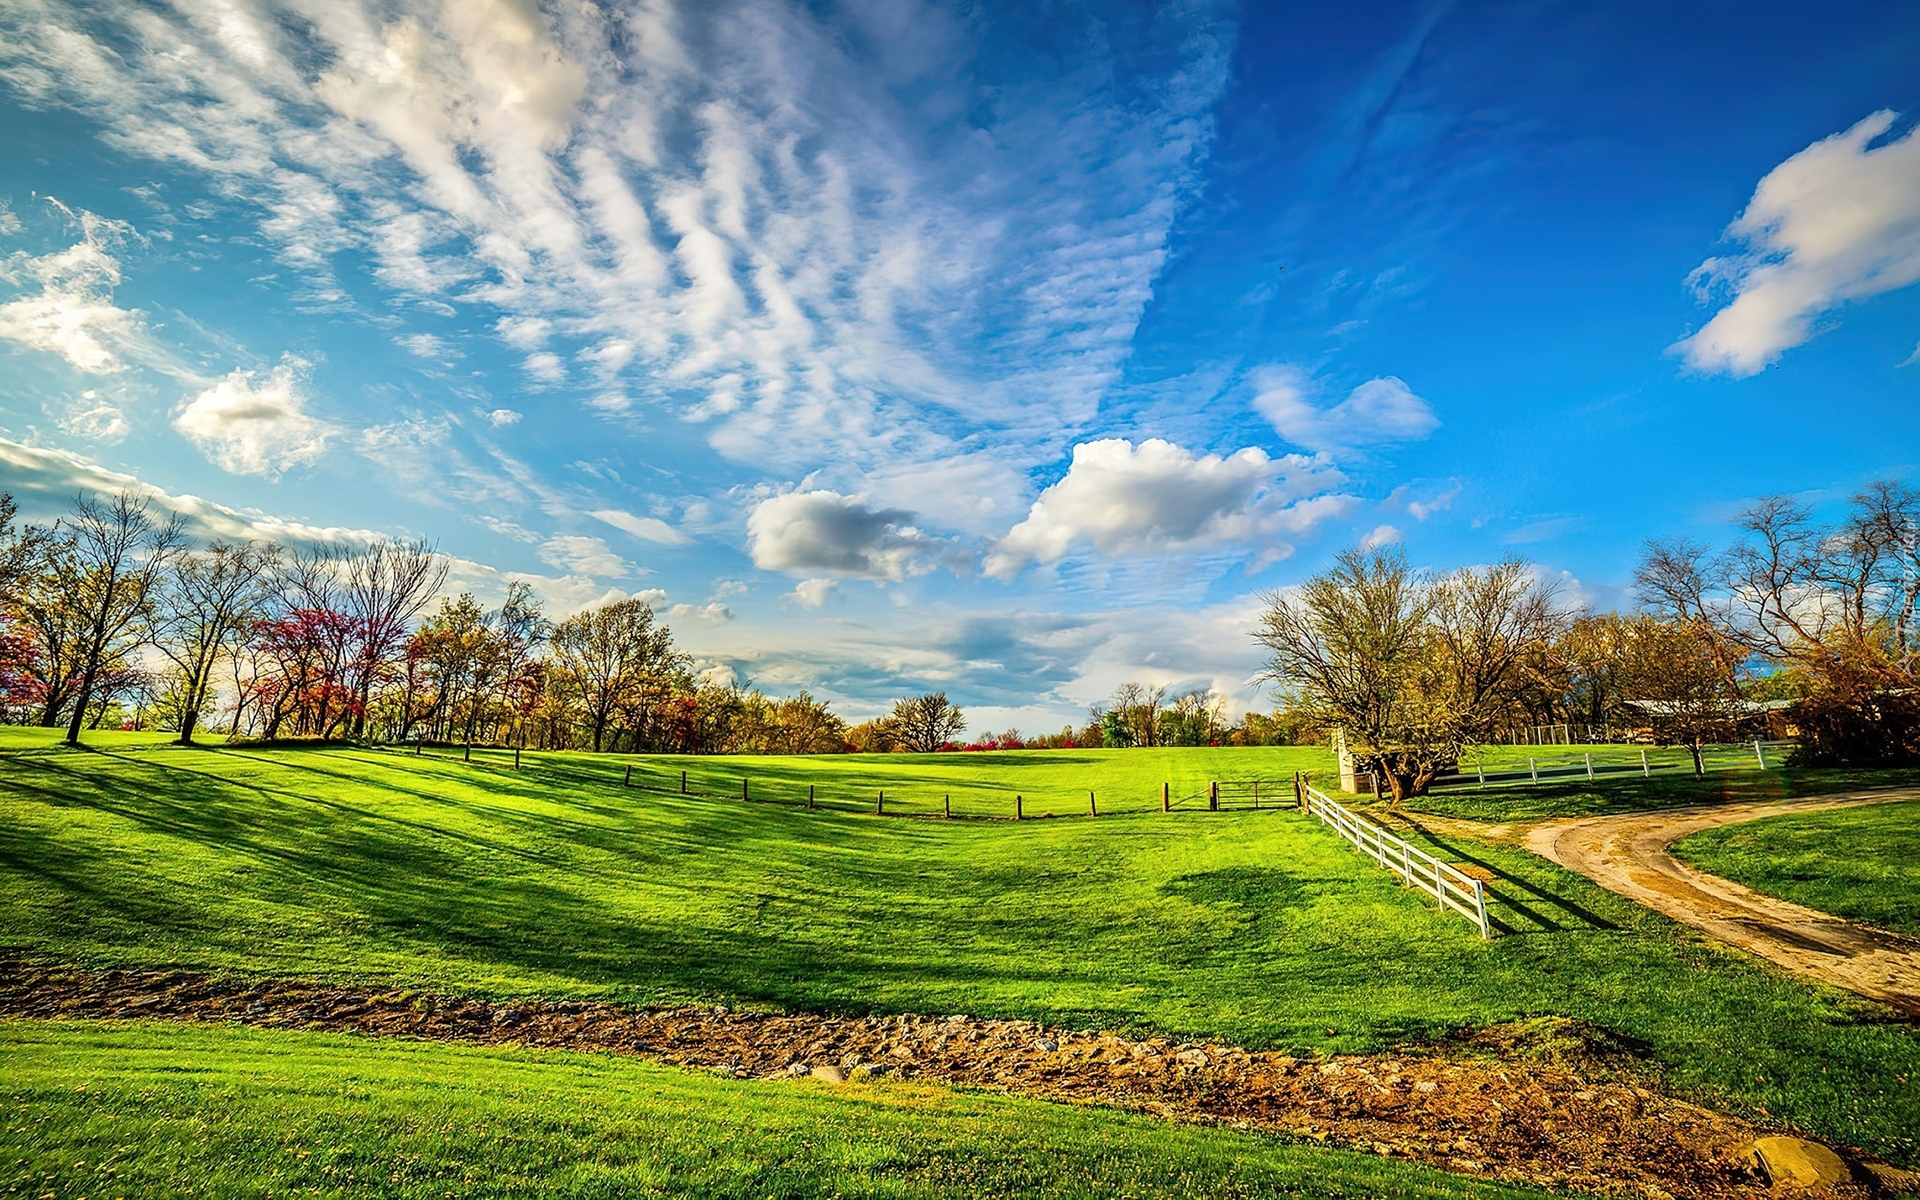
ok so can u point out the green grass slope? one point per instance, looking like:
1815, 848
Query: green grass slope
1258, 927
1860, 863
157, 1111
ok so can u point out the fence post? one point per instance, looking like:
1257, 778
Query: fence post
1759, 754
1439, 886
946, 805
1480, 768
1533, 769
1093, 808
743, 787
880, 805
1480, 909
1166, 805
1299, 794
1646, 772
1213, 797
809, 797
627, 779
1256, 793
1589, 764
1016, 808
683, 783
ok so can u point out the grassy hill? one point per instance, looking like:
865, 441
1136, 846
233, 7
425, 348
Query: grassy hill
1254, 927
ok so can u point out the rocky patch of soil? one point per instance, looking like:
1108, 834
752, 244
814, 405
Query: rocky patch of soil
1543, 1103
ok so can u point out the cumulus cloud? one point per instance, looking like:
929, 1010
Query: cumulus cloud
1157, 497
588, 556
1380, 535
253, 426
651, 529
503, 416
1379, 412
812, 593
71, 311
712, 612
1839, 221
803, 532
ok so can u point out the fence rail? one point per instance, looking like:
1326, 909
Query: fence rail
1454, 889
1614, 761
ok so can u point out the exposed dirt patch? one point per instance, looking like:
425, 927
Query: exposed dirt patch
1546, 1102
1628, 854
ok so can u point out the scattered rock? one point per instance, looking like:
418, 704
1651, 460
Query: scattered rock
508, 1016
1790, 1162
1046, 1045
1892, 1179
798, 1068
829, 1074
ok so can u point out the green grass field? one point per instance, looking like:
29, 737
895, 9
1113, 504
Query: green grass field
160, 1111
1255, 927
1862, 863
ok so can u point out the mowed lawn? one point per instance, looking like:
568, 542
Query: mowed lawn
1861, 863
150, 1110
1252, 926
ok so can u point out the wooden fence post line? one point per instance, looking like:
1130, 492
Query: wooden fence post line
880, 805
1093, 809
1213, 797
1166, 805
1256, 793
627, 780
809, 796
1016, 808
946, 805
1480, 768
1646, 772
683, 783
1589, 764
1533, 769
1759, 754
743, 787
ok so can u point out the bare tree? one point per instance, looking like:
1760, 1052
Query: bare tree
1414, 668
385, 586
207, 601
118, 550
1675, 674
925, 723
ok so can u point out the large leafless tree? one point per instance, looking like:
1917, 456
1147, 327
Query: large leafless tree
115, 553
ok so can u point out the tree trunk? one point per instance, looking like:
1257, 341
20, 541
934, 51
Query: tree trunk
1699, 764
187, 721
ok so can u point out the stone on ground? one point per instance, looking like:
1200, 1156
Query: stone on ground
1792, 1162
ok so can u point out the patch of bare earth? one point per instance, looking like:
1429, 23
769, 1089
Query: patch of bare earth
1546, 1103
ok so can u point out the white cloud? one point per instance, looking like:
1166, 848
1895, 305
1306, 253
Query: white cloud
503, 416
812, 593
1422, 509
253, 427
1160, 498
1380, 535
713, 612
823, 530
650, 529
675, 196
587, 556
545, 367
1836, 222
1379, 412
423, 345
72, 313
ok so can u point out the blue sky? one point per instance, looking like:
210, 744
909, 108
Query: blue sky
1009, 349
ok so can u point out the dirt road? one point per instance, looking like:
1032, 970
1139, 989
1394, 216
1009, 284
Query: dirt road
1628, 854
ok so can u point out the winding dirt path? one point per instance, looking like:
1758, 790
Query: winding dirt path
1629, 854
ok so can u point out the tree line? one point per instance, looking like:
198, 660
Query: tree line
112, 616
1814, 619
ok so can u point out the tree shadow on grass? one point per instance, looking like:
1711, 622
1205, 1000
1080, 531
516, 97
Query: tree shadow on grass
1548, 912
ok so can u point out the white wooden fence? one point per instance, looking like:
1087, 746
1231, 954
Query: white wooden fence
1455, 890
